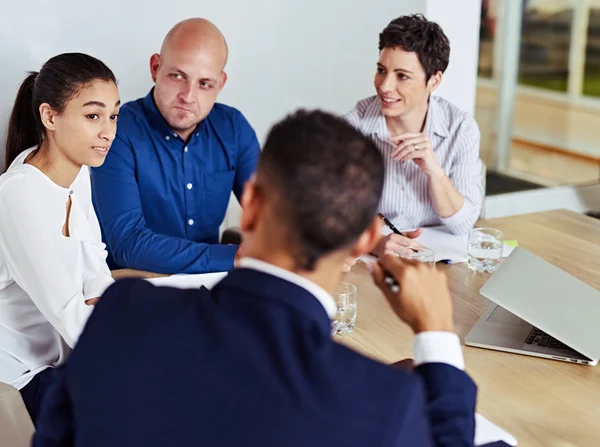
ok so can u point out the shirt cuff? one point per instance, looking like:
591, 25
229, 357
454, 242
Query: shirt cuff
220, 257
438, 347
459, 219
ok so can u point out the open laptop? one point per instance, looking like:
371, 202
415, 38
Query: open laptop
539, 310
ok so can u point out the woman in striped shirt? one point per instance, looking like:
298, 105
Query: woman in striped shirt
430, 147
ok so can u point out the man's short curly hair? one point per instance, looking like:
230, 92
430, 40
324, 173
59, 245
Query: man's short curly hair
327, 180
414, 33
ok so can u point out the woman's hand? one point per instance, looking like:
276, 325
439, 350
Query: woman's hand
416, 147
397, 244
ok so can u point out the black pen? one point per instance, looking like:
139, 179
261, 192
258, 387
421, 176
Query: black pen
389, 224
388, 279
391, 282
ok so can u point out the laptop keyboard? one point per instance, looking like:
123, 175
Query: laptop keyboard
540, 338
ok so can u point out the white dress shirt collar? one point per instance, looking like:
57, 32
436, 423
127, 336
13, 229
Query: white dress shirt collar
318, 292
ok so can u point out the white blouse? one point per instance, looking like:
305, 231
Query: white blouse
45, 277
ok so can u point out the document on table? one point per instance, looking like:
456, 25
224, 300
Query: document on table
487, 432
448, 246
207, 280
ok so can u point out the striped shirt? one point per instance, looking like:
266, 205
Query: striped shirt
454, 138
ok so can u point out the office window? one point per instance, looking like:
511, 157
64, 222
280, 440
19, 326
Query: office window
591, 76
545, 39
554, 139
487, 34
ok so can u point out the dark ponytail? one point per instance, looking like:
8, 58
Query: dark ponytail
24, 125
59, 80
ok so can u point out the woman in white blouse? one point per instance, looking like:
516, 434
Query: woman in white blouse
52, 259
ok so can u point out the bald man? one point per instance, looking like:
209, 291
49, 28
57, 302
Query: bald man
163, 190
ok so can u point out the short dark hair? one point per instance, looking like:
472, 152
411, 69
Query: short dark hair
327, 178
414, 33
59, 80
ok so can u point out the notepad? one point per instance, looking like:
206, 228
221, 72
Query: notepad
208, 280
487, 432
448, 246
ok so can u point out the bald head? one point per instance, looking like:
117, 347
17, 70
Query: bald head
194, 35
189, 73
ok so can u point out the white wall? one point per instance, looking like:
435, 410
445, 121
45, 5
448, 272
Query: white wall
460, 21
283, 54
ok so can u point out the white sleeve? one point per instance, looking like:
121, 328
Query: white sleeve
97, 277
438, 347
33, 257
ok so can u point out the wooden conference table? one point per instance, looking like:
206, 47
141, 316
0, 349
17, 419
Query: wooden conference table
541, 402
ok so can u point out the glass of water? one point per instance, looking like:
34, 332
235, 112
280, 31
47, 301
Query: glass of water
345, 317
484, 250
421, 254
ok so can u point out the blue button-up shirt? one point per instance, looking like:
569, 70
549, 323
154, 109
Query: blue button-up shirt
160, 201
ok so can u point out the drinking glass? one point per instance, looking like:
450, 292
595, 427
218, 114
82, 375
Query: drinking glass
345, 317
422, 254
484, 250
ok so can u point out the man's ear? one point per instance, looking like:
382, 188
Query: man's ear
154, 66
222, 80
368, 240
251, 205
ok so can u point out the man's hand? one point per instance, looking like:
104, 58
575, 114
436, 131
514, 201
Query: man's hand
92, 301
416, 147
349, 263
396, 244
423, 300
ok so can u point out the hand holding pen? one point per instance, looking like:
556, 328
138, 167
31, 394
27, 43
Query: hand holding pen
422, 300
390, 248
397, 242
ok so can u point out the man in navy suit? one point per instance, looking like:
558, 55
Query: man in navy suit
252, 362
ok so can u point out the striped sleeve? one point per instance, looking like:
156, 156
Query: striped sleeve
352, 118
465, 174
356, 115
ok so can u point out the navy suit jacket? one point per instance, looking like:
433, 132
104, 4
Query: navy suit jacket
249, 363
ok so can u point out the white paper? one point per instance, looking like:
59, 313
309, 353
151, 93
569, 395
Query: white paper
487, 432
448, 246
207, 280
